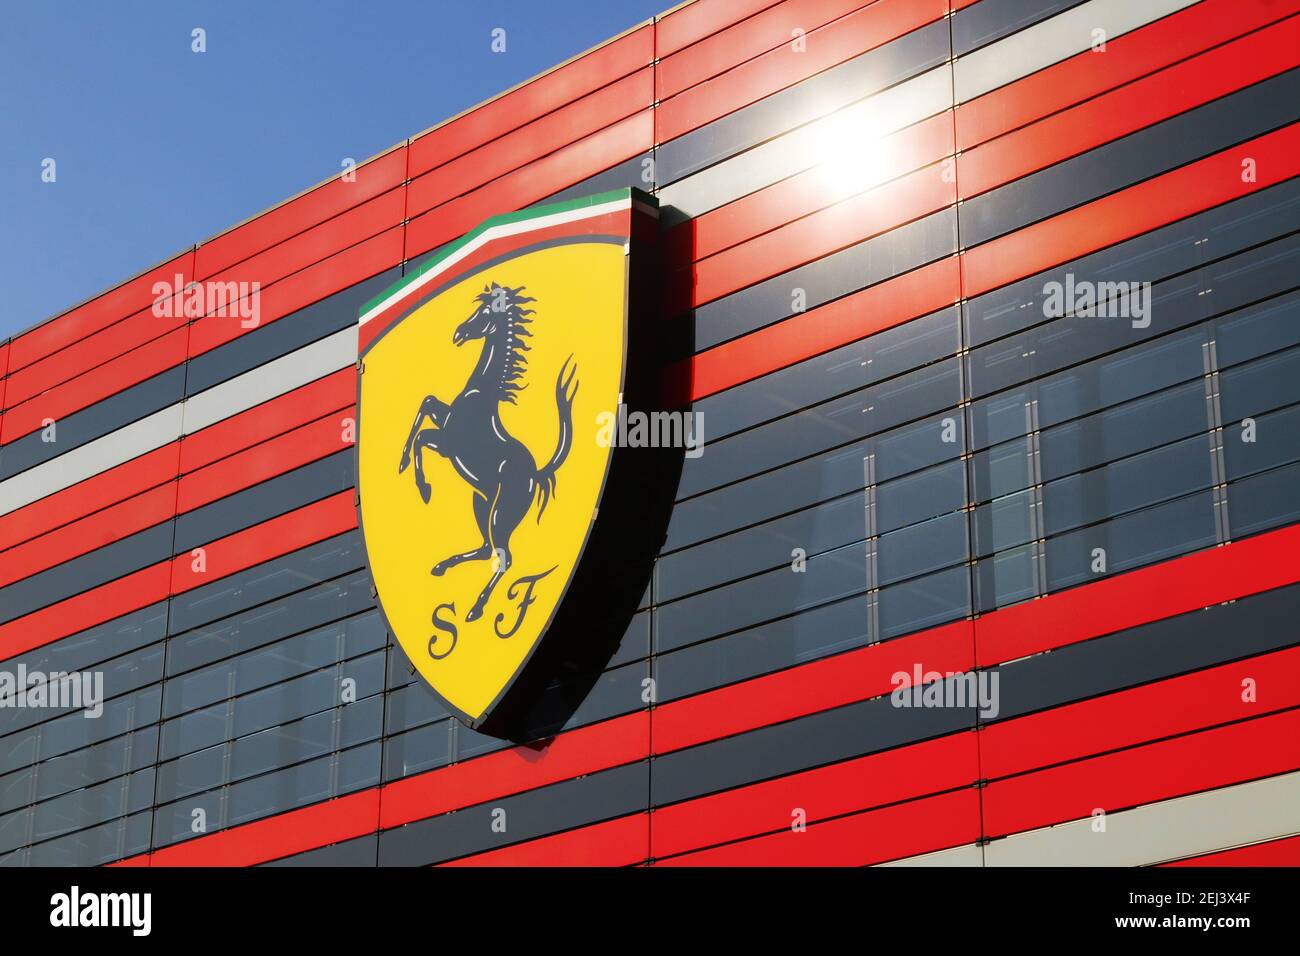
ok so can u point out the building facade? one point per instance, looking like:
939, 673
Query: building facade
990, 310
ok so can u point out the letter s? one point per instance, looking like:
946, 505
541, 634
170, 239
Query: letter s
442, 625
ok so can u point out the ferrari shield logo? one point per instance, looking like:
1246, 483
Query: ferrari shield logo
479, 471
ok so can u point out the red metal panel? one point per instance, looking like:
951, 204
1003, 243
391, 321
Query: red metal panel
1162, 590
1172, 768
734, 45
1143, 103
772, 72
301, 289
99, 313
522, 146
536, 181
275, 417
87, 609
274, 837
86, 497
861, 784
621, 842
1132, 211
262, 462
298, 215
92, 351
1273, 853
1167, 708
1127, 57
807, 192
808, 688
877, 836
93, 386
867, 214
610, 743
694, 22
271, 539
535, 98
318, 243
802, 336
85, 535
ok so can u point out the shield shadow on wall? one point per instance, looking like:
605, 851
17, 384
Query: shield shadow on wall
511, 541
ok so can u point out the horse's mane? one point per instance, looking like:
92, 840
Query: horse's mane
516, 328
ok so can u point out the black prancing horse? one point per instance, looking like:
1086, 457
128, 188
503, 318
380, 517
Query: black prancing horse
469, 432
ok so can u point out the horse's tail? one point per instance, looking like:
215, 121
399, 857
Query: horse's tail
564, 406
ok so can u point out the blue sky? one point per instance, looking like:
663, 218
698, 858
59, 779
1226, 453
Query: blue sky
157, 147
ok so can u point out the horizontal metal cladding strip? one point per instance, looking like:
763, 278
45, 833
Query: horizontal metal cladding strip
827, 736
820, 685
1252, 749
983, 23
805, 193
307, 288
119, 501
690, 23
1173, 706
92, 352
86, 610
518, 148
1181, 139
87, 648
244, 549
621, 842
539, 179
905, 829
839, 274
308, 248
1163, 831
260, 463
919, 57
359, 851
351, 188
337, 313
1284, 852
113, 378
1127, 58
1249, 749
273, 379
1218, 72
79, 537
1137, 597
864, 362
969, 855
263, 500
1236, 226
608, 744
117, 485
125, 444
559, 806
776, 26
1053, 40
1132, 211
58, 438
276, 416
166, 425
946, 763
828, 230
533, 99
349, 816
808, 334
99, 313
867, 28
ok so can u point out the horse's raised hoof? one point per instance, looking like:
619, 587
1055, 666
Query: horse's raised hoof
406, 460
474, 614
425, 490
439, 569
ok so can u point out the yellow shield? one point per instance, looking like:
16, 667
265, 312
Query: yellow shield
480, 465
